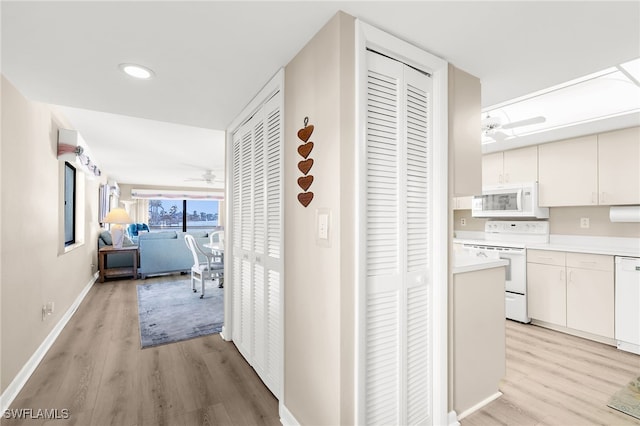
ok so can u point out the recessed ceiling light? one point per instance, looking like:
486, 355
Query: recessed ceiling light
137, 71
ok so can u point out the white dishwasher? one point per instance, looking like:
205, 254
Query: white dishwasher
627, 308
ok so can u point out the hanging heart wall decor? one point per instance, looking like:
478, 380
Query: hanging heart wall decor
306, 164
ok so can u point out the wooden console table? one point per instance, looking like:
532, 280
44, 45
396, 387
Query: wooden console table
117, 272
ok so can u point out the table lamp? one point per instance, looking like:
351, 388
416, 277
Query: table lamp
117, 217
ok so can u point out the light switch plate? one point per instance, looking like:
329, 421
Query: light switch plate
323, 227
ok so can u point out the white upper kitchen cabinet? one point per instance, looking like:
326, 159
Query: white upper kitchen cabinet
619, 167
568, 172
513, 166
492, 169
521, 165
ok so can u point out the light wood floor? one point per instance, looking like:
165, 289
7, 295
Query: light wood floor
556, 379
98, 372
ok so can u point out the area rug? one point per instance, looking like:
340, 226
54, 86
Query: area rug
171, 312
627, 399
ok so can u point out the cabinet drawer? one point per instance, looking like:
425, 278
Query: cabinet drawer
596, 262
546, 257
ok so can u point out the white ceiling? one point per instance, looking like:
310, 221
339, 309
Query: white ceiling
211, 57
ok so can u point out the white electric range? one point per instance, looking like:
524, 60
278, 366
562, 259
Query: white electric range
508, 240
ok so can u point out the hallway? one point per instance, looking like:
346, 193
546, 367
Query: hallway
97, 371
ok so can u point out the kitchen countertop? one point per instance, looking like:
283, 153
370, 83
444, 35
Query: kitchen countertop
612, 246
463, 262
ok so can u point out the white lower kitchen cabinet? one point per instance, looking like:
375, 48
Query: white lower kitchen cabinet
547, 293
574, 291
590, 294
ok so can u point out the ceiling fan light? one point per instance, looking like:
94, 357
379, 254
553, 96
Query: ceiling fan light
137, 71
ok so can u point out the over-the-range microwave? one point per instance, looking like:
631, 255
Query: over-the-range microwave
509, 200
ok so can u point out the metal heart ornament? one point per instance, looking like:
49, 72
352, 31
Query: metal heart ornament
305, 133
305, 198
305, 149
305, 182
305, 166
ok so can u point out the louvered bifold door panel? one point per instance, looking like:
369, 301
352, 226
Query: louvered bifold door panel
383, 321
257, 241
397, 372
259, 231
236, 255
273, 260
243, 246
417, 87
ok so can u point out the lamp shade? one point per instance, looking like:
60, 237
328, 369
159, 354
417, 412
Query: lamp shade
117, 215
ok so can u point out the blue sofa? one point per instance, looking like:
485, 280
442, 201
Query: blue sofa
160, 252
166, 251
134, 229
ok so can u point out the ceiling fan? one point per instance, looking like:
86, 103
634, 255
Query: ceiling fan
492, 126
207, 177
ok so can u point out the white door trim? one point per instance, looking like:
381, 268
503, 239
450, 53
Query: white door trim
369, 37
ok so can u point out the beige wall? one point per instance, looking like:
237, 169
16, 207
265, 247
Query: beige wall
34, 268
472, 223
566, 221
319, 283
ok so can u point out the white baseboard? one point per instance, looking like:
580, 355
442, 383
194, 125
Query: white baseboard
27, 370
452, 419
286, 418
223, 334
601, 339
479, 405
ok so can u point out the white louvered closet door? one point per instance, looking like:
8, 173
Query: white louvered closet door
397, 354
257, 239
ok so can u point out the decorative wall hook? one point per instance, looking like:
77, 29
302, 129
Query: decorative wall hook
306, 164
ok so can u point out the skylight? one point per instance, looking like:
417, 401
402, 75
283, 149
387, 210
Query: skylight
610, 93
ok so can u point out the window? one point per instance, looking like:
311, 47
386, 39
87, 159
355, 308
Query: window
185, 215
69, 204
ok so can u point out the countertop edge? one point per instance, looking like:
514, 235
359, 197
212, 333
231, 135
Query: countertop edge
471, 267
608, 251
610, 246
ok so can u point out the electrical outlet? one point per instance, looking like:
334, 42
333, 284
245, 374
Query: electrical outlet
463, 221
47, 309
584, 222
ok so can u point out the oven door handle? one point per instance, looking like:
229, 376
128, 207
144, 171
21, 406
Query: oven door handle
519, 200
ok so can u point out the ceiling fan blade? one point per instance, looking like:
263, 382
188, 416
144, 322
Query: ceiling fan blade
527, 122
499, 136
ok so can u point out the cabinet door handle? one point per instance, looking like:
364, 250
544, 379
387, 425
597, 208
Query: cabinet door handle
506, 177
561, 275
571, 276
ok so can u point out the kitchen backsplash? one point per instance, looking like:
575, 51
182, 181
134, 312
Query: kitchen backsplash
565, 221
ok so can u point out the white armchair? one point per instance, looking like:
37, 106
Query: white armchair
210, 269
